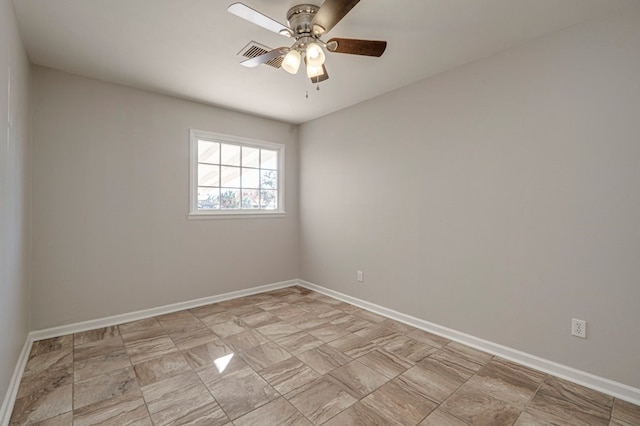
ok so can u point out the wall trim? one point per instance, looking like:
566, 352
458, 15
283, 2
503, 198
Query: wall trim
601, 384
12, 391
152, 312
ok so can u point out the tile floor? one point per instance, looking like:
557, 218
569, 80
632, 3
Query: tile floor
290, 357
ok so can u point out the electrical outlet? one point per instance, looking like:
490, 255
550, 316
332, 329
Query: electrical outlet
360, 277
579, 328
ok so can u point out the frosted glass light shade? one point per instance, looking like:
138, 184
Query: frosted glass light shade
315, 55
291, 62
313, 72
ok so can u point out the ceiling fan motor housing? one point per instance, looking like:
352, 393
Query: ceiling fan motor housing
300, 17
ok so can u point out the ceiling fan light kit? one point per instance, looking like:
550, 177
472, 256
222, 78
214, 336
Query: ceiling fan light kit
307, 23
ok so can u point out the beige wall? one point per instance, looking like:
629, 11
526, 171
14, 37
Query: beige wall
14, 194
110, 204
499, 199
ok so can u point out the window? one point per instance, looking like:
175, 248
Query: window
233, 176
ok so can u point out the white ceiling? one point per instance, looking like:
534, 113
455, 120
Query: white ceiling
188, 48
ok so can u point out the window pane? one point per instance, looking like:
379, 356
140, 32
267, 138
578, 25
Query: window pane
269, 200
269, 159
250, 178
269, 179
230, 176
208, 198
208, 152
250, 157
230, 155
208, 175
250, 199
229, 198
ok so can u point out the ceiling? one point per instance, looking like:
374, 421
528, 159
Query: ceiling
188, 48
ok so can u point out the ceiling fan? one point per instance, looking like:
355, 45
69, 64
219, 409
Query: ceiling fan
307, 23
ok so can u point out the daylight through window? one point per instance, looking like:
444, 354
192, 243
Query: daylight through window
234, 175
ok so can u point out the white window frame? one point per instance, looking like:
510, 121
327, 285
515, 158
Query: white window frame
194, 213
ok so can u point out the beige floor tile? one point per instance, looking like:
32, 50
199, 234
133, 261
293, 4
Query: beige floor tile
324, 359
399, 404
104, 386
547, 410
218, 318
358, 415
65, 419
465, 356
322, 399
244, 341
278, 329
241, 392
275, 413
288, 375
290, 357
429, 338
176, 397
353, 346
209, 414
207, 354
625, 412
272, 305
95, 335
97, 347
328, 333
178, 319
258, 319
147, 328
409, 348
206, 310
386, 363
228, 328
380, 334
453, 368
508, 382
299, 342
186, 339
161, 368
43, 362
42, 405
589, 401
225, 367
146, 349
262, 356
125, 409
478, 408
432, 380
358, 379
440, 417
101, 364
370, 316
48, 345
46, 381
350, 322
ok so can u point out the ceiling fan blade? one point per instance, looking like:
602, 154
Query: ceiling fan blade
330, 13
245, 12
357, 47
266, 57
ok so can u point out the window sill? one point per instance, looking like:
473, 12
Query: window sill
236, 215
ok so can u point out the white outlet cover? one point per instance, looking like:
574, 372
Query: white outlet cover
579, 328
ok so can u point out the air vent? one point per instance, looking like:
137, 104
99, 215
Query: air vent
254, 49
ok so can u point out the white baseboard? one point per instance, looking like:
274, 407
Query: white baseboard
601, 384
147, 313
610, 387
12, 391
